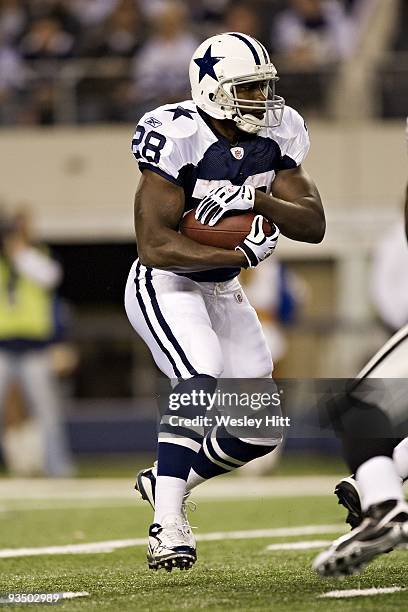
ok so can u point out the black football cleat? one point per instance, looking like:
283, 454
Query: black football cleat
146, 484
349, 497
384, 527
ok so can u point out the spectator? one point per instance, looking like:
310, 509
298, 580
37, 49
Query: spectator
13, 20
28, 278
122, 33
91, 13
161, 67
46, 39
311, 33
242, 18
12, 79
60, 10
208, 15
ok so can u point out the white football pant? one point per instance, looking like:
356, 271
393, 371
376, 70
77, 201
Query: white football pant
196, 328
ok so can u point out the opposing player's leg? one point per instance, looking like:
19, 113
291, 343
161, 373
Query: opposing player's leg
169, 313
348, 492
390, 362
367, 435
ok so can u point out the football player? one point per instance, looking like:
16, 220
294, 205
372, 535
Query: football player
234, 147
373, 496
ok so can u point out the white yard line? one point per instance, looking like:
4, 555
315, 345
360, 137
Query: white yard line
111, 545
360, 592
303, 545
117, 489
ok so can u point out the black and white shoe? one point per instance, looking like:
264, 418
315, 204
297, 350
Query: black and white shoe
349, 496
171, 545
146, 485
384, 527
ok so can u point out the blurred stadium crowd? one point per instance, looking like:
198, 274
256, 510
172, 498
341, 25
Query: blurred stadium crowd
81, 61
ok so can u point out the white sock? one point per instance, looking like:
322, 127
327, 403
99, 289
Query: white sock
378, 481
400, 458
194, 479
169, 496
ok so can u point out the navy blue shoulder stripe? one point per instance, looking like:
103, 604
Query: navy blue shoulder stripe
248, 44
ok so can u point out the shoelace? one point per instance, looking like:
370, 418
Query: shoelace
176, 534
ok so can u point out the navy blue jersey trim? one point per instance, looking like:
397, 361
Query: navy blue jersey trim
287, 163
250, 45
164, 325
149, 323
145, 166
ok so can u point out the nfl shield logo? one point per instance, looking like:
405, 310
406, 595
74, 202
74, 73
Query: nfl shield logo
237, 152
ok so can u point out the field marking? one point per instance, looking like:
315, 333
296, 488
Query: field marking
111, 545
116, 489
72, 595
360, 592
303, 545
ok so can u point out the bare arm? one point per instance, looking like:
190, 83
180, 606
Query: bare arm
295, 206
159, 206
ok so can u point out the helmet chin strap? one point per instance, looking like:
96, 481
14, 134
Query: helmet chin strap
245, 126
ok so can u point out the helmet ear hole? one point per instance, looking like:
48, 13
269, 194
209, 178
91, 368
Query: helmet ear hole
211, 96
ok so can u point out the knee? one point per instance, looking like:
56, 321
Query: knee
191, 397
269, 444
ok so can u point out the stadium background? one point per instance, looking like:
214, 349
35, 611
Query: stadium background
74, 79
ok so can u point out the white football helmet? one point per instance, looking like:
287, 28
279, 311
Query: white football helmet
222, 63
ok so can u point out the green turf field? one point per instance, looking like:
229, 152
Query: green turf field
237, 574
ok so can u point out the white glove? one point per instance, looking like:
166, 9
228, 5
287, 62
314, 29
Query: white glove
257, 246
223, 200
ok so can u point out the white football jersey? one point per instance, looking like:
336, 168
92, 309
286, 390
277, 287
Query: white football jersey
178, 142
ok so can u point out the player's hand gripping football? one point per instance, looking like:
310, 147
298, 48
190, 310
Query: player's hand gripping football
222, 200
257, 246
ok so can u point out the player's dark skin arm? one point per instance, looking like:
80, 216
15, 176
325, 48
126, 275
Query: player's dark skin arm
159, 206
295, 206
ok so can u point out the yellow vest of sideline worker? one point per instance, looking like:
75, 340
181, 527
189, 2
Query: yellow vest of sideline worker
26, 309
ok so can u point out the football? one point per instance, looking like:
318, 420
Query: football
226, 234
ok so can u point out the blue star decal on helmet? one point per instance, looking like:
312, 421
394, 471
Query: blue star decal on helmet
180, 112
206, 65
